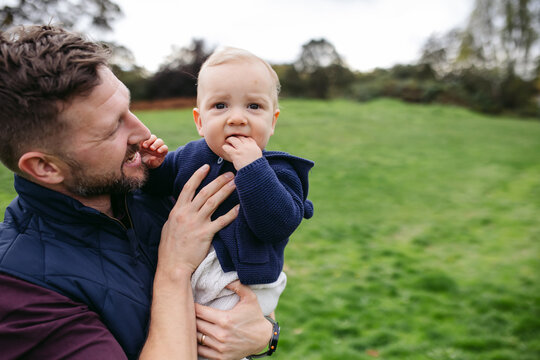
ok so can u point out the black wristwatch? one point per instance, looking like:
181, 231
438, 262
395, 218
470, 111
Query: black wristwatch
272, 345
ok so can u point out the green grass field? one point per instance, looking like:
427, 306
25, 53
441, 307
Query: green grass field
425, 242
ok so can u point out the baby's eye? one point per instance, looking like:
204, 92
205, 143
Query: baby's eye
220, 106
253, 106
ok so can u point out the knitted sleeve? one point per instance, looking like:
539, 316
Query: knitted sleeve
271, 199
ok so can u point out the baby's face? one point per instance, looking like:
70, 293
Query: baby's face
236, 99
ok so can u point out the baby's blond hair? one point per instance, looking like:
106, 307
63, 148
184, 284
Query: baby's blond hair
232, 54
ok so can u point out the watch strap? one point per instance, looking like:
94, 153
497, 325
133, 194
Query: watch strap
272, 345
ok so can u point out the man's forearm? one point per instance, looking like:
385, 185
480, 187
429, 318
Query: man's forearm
172, 320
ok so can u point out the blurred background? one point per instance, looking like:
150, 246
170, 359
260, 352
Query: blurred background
422, 120
481, 54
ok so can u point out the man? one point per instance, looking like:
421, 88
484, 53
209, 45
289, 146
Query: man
79, 247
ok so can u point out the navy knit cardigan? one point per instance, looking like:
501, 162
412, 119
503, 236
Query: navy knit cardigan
272, 192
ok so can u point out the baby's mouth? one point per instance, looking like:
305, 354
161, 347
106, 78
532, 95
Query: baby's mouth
234, 135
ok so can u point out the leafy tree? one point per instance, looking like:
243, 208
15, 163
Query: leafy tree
341, 78
318, 53
439, 52
503, 34
319, 83
292, 84
97, 13
319, 71
123, 65
491, 65
178, 75
193, 55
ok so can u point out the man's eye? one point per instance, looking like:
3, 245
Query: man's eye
220, 106
253, 106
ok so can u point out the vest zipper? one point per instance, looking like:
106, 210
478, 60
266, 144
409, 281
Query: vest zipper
132, 227
139, 247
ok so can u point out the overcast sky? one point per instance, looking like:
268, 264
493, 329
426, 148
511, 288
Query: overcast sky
367, 33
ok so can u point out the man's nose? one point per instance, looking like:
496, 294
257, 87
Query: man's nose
139, 131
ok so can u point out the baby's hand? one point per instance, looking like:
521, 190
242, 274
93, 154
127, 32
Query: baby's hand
153, 151
242, 150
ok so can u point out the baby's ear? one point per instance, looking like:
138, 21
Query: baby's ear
41, 167
274, 120
198, 121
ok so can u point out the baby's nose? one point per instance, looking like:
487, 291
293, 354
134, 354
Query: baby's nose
237, 118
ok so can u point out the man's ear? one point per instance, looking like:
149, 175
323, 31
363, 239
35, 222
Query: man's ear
274, 120
41, 167
198, 121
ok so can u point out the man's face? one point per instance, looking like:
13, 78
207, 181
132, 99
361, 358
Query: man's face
101, 155
236, 99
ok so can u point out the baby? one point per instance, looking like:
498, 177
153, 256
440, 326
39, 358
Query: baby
237, 110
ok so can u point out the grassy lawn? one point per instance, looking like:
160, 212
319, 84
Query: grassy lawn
425, 242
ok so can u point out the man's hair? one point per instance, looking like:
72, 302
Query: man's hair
42, 68
229, 55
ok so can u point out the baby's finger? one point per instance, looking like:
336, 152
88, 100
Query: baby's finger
228, 148
233, 140
149, 141
163, 148
158, 142
247, 139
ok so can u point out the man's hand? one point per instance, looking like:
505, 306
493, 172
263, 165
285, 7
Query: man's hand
242, 150
153, 151
236, 333
187, 234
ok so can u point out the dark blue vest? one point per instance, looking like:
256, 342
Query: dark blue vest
54, 241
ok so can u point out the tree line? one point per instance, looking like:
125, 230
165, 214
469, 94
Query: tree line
491, 65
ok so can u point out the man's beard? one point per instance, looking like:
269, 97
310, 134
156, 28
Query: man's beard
86, 184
